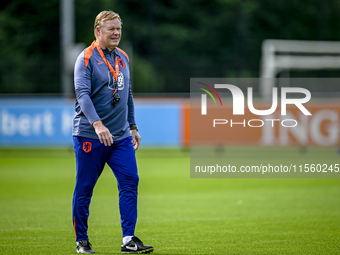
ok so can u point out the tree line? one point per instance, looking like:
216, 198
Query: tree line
170, 41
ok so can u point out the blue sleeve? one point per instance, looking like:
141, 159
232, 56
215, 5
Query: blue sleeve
82, 84
131, 108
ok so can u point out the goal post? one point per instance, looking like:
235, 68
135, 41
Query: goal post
281, 55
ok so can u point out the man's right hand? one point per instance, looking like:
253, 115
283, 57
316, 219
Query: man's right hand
103, 133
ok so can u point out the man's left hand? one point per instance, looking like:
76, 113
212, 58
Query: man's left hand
136, 138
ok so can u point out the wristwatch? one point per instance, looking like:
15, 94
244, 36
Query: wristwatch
133, 127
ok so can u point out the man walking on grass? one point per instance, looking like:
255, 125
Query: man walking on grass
105, 131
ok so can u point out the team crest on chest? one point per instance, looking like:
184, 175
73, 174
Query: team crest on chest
121, 63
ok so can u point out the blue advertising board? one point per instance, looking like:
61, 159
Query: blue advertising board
28, 122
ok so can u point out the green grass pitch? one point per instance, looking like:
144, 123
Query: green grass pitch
177, 214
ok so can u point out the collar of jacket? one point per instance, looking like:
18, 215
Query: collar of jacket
106, 51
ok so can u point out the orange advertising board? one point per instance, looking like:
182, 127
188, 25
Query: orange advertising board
221, 127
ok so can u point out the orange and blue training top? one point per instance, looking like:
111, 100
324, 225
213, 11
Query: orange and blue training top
94, 87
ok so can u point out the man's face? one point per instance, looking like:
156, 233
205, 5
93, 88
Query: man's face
109, 34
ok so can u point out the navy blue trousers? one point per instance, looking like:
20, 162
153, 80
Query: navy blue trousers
91, 157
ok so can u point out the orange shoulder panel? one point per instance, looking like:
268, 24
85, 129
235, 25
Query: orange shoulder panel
88, 53
126, 55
